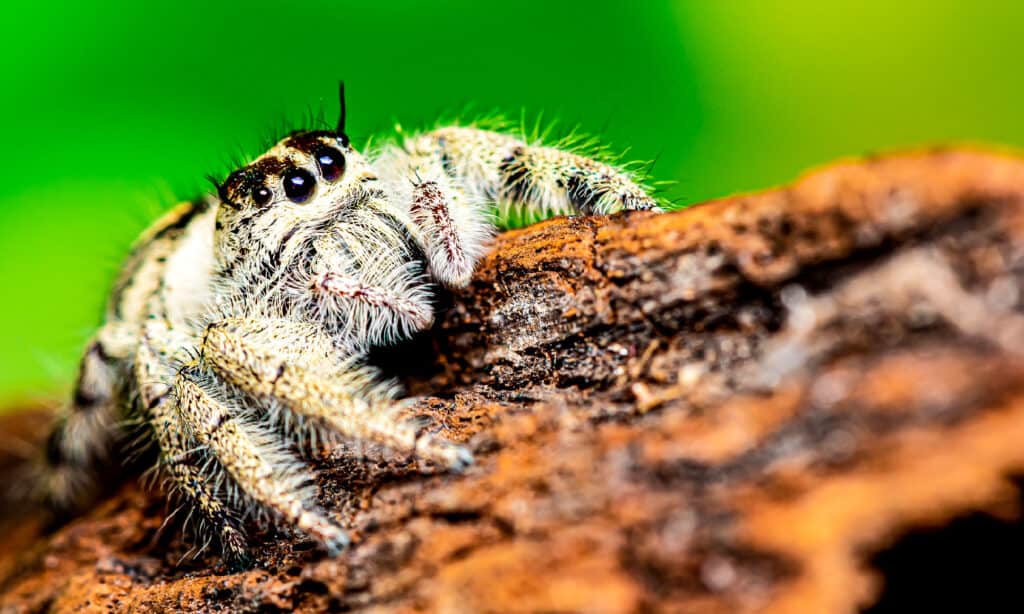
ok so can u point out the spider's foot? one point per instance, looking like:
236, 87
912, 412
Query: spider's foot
455, 457
333, 538
234, 548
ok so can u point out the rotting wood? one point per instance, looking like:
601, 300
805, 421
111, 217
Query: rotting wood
723, 409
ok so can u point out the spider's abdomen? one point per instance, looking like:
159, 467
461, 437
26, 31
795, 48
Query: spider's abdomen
167, 273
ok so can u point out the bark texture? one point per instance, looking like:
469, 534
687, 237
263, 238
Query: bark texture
724, 409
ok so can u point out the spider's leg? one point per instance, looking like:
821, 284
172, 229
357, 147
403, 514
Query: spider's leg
255, 457
182, 460
498, 168
292, 365
90, 428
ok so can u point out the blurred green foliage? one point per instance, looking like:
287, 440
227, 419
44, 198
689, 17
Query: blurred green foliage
115, 110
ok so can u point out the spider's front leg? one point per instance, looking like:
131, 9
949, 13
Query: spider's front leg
181, 459
294, 366
257, 461
544, 180
297, 375
458, 174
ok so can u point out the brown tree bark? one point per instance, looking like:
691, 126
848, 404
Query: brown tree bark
729, 408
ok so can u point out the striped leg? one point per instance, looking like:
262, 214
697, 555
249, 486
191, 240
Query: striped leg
182, 460
291, 364
545, 181
257, 461
453, 177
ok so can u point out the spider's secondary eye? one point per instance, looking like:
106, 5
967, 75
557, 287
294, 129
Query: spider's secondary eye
331, 162
261, 195
298, 185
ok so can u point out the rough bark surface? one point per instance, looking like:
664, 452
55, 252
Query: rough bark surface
723, 409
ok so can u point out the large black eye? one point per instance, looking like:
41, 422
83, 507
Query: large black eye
331, 162
298, 185
261, 195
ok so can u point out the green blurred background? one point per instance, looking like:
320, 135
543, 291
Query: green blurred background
116, 110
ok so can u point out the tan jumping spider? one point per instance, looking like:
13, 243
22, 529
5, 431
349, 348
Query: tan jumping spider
239, 325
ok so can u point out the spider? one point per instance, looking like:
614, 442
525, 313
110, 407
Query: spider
239, 325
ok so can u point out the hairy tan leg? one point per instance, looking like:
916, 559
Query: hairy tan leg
294, 365
181, 459
452, 178
260, 466
544, 180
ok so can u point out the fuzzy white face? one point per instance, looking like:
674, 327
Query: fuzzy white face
306, 178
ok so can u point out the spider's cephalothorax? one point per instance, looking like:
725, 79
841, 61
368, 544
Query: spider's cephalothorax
240, 322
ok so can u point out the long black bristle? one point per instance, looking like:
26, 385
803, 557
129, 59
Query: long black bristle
341, 107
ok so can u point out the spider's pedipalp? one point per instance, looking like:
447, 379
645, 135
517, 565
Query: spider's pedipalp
451, 257
346, 287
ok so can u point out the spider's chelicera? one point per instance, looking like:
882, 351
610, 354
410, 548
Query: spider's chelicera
239, 324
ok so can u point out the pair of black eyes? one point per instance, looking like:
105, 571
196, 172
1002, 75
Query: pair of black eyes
299, 183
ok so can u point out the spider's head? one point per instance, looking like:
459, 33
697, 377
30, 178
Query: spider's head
307, 177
